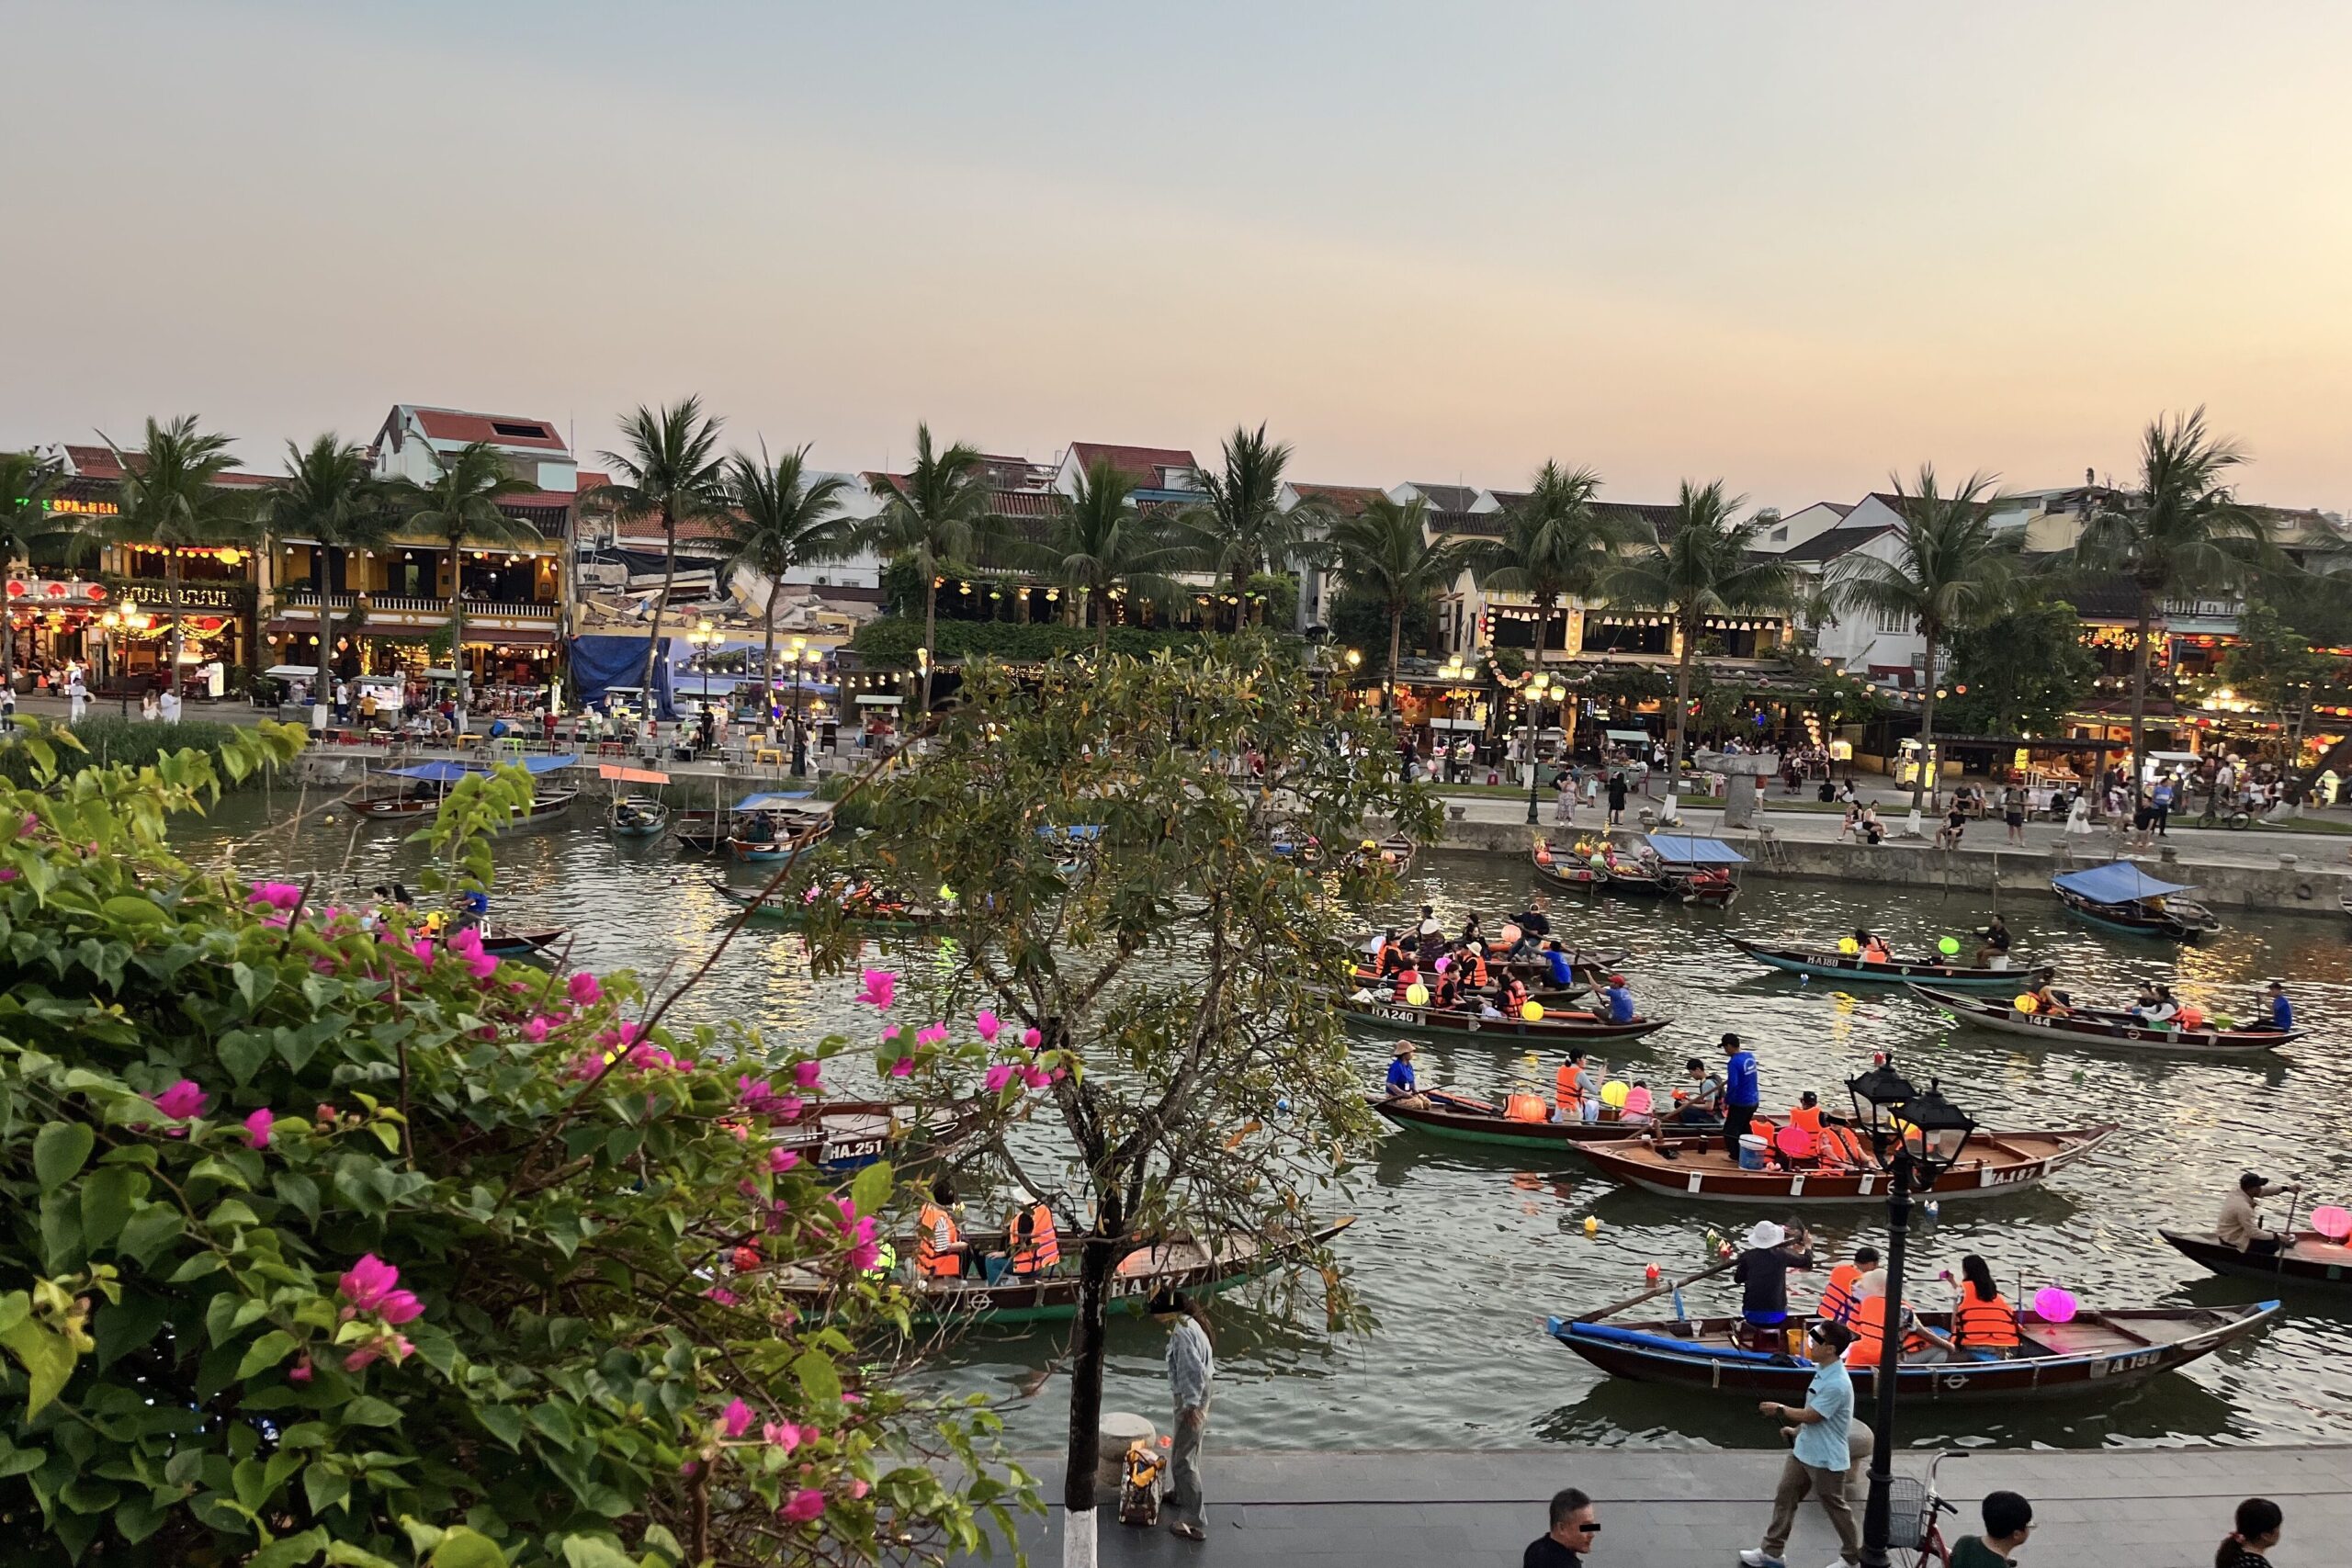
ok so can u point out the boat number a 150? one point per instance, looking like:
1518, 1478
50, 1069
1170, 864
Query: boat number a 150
2128, 1363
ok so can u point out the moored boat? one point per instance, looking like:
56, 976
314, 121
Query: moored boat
782, 904
2119, 897
634, 815
1992, 1164
2311, 1260
845, 1134
509, 943
1440, 1024
1463, 1119
2090, 1353
1893, 972
2105, 1030
1696, 870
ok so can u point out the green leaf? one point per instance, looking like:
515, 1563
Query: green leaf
196, 1268
817, 1375
502, 1422
587, 1551
871, 1189
290, 1552
46, 1358
88, 1496
132, 911
20, 1461
324, 1487
369, 1411
266, 1352
342, 1554
106, 1201
298, 1192
242, 1052
60, 1149
148, 1229
464, 1548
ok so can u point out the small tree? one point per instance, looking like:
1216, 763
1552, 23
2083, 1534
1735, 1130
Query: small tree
778, 520
671, 472
2020, 672
171, 497
938, 513
1170, 998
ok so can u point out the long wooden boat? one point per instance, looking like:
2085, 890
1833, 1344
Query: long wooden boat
839, 1136
1896, 972
2311, 1260
1994, 1163
2104, 1029
1570, 873
784, 905
2091, 1353
637, 816
508, 943
774, 835
1589, 967
543, 810
404, 806
1463, 1119
1143, 1269
2120, 896
701, 832
1437, 1023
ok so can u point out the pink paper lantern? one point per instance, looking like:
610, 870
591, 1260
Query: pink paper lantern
1441, 964
1795, 1142
2053, 1305
2332, 1221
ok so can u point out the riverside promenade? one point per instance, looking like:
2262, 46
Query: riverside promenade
1675, 1508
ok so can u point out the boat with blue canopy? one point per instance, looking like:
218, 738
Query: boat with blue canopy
428, 781
2120, 896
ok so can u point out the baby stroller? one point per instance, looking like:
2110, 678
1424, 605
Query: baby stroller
1139, 1485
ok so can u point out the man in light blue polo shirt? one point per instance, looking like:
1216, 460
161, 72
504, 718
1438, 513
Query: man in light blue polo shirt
1818, 1465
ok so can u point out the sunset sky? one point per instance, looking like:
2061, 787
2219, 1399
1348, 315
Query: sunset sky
1792, 244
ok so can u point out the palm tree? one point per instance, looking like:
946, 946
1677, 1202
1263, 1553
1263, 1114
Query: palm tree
27, 483
937, 513
332, 499
1555, 543
459, 507
672, 471
170, 497
1241, 529
1101, 545
1384, 553
2184, 529
1701, 567
1952, 571
778, 521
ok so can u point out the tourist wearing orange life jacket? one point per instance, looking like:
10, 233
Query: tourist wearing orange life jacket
1514, 996
1807, 1113
1983, 1325
940, 1251
1407, 978
1574, 1097
1872, 946
1839, 1301
1036, 1245
1920, 1343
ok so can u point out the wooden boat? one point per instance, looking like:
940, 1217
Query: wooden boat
1437, 1023
839, 1136
1569, 874
1143, 1269
637, 816
1590, 967
774, 835
2104, 1029
1463, 1119
1897, 972
1628, 875
2119, 897
782, 904
543, 810
407, 805
2311, 1260
2091, 1353
1993, 1164
1549, 995
701, 832
1697, 870
508, 943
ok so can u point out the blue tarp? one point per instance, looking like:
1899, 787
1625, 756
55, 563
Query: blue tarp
770, 800
1682, 848
2118, 882
432, 772
600, 662
451, 773
1077, 830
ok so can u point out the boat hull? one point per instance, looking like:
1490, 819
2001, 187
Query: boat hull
1496, 1131
2126, 921
1389, 1018
2132, 1038
2314, 1261
1838, 966
1699, 1169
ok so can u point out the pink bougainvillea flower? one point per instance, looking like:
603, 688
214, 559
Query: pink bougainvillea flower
258, 1127
399, 1307
423, 952
806, 1503
326, 1113
931, 1035
1036, 1078
782, 1160
180, 1102
276, 895
805, 1075
864, 1255
782, 1435
302, 1371
881, 987
7, 874
1031, 1039
536, 1027
892, 1032
720, 1294
585, 1067
858, 1489
482, 965
988, 1025
903, 1067
361, 1357
745, 1258
998, 1077
465, 939
367, 1282
582, 988
736, 1419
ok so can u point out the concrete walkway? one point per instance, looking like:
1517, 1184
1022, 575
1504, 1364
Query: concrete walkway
2104, 1508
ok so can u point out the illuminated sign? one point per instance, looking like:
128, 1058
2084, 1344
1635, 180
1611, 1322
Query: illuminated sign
80, 507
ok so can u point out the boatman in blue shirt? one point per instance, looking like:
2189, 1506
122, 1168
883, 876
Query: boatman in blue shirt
1741, 1092
2282, 1012
1620, 1000
1564, 974
1818, 1466
1400, 1072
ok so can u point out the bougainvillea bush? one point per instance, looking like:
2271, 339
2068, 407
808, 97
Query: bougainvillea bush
328, 1239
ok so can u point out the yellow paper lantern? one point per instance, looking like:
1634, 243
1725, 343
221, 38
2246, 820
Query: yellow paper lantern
1416, 994
1613, 1095
1848, 946
946, 894
1532, 1011
1592, 1224
2025, 1002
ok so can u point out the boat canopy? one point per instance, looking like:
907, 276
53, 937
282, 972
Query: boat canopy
451, 773
770, 800
1079, 830
1682, 848
2118, 881
432, 772
1641, 735
630, 775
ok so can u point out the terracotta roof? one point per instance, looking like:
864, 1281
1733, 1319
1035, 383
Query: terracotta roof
1026, 502
500, 429
1143, 462
1831, 543
590, 478
99, 463
1348, 500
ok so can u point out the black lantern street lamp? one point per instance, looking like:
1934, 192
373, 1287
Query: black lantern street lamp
1917, 1136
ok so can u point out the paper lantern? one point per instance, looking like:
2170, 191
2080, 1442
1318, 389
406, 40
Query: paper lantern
1509, 937
1613, 1095
2053, 1305
1848, 946
1444, 962
1416, 994
1795, 1142
1532, 1011
946, 894
2026, 1001
1948, 946
1591, 1226
2332, 1221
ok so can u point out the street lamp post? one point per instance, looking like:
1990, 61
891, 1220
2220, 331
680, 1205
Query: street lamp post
800, 653
1540, 688
1912, 1138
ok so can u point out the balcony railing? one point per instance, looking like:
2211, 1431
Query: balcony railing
154, 593
404, 603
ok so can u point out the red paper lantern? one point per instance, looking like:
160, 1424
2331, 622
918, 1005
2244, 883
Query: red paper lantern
53, 589
95, 591
17, 589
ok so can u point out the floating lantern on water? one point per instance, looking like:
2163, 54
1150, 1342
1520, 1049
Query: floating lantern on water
1592, 1224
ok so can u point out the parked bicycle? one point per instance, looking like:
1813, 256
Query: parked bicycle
1914, 1535
2221, 813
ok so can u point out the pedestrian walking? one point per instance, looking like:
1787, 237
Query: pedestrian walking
77, 692
2258, 1521
1741, 1092
1616, 799
1573, 1528
1191, 1368
1817, 1467
2013, 813
2008, 1519
1564, 812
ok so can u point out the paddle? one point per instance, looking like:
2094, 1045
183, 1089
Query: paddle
1611, 1310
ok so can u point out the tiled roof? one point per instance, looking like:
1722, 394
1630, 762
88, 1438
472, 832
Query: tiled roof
1026, 502
498, 429
1660, 519
1455, 524
1143, 462
1346, 499
99, 463
1446, 498
1831, 543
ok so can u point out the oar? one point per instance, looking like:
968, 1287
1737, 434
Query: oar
1615, 1307
2286, 1234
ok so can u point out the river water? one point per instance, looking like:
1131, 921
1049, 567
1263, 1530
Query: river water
1461, 1253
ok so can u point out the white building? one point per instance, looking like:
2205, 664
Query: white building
413, 432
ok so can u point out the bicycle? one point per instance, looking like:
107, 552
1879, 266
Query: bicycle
2218, 816
1915, 1537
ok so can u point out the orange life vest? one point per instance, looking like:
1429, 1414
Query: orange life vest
1477, 971
1869, 1324
1843, 1145
1979, 1324
1875, 952
1806, 1117
1405, 980
1042, 1250
2188, 1017
1837, 1299
930, 1261
1569, 1083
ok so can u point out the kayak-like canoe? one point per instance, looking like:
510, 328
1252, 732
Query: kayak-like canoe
1993, 1164
1466, 1119
2105, 1031
1438, 1023
2092, 1353
1142, 1271
1899, 972
2312, 1260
